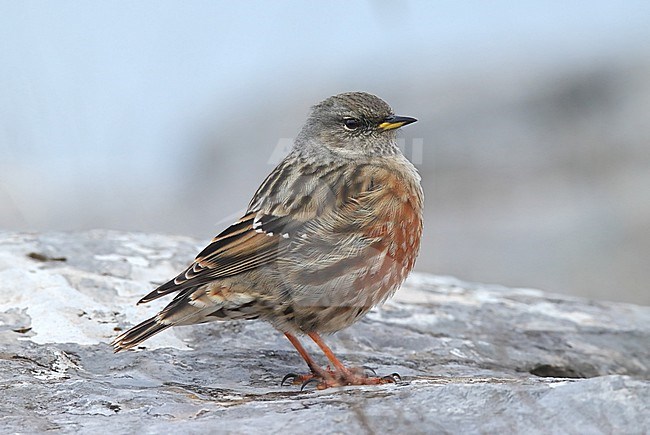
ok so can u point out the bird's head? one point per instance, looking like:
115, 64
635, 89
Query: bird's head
353, 124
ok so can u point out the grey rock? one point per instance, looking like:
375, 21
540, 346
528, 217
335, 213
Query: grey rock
473, 358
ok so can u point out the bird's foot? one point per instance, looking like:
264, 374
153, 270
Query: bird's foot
329, 378
315, 377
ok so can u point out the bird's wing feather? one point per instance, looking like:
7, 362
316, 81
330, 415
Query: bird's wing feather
239, 248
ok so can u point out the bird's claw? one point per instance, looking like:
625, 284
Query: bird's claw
289, 377
393, 377
335, 379
315, 380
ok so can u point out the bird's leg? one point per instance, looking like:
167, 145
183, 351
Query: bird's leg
325, 378
345, 376
317, 373
313, 366
330, 355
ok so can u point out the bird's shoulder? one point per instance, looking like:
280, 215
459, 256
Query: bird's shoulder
306, 189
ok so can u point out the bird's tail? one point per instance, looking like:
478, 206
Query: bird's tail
188, 308
138, 334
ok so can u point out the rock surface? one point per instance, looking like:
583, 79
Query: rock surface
473, 358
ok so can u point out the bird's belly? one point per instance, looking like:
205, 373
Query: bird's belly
327, 297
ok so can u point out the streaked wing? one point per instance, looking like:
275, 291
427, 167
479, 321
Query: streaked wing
241, 247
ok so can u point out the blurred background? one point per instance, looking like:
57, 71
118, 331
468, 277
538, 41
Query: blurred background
533, 138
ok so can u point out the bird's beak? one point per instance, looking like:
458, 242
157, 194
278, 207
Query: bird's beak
392, 122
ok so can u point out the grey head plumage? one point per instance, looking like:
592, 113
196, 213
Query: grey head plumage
350, 125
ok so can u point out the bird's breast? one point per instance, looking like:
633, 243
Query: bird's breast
345, 263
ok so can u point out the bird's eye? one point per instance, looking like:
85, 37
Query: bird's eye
351, 123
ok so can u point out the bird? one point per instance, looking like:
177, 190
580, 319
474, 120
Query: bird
331, 232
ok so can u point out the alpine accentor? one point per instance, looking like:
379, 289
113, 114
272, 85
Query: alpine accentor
331, 232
